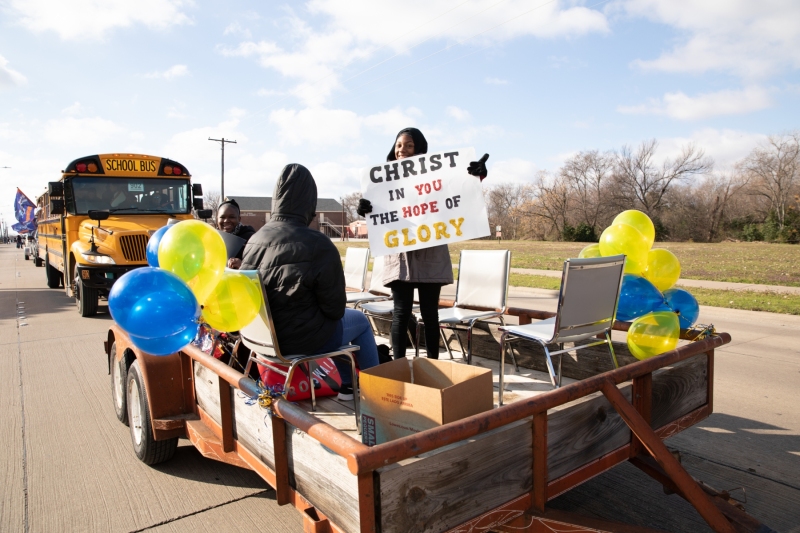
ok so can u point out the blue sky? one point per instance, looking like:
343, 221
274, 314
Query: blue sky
328, 83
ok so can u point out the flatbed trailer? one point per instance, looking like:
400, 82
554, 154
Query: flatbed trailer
494, 471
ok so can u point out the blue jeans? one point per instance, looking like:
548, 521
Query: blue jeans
353, 328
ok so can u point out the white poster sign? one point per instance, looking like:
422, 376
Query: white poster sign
423, 201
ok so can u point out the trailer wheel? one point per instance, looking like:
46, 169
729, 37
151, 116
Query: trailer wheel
53, 275
119, 372
86, 298
38, 261
147, 449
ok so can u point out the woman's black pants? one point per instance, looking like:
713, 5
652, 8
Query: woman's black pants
403, 295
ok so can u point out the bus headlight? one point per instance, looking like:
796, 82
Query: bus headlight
98, 259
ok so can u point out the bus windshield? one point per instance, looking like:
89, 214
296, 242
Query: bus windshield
129, 195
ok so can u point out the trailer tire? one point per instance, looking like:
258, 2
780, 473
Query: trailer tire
146, 448
52, 273
86, 298
119, 373
38, 261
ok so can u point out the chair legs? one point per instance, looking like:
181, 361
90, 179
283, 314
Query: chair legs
611, 349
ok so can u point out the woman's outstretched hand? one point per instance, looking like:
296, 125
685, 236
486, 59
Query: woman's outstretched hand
478, 168
364, 207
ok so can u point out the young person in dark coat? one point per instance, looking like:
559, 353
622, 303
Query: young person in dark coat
304, 279
229, 220
425, 270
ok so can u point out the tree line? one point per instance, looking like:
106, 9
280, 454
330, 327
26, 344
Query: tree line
757, 200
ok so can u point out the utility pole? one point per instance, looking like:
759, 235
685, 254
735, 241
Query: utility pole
222, 142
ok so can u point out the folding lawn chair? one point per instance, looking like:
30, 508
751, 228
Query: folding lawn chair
482, 282
376, 291
261, 338
356, 262
587, 304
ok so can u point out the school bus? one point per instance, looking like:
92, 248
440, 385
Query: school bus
96, 220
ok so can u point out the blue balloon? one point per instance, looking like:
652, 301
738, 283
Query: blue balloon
683, 303
151, 303
166, 345
637, 298
152, 246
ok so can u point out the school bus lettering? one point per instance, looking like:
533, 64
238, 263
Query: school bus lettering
131, 165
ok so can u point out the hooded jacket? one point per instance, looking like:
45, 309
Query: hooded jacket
300, 267
429, 265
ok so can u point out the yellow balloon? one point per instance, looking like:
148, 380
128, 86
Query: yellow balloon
625, 239
233, 304
593, 250
653, 334
663, 268
638, 220
195, 252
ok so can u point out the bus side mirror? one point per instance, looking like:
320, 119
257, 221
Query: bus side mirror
204, 214
57, 207
55, 188
98, 215
197, 189
197, 203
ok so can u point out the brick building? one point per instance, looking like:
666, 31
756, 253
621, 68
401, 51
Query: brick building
256, 211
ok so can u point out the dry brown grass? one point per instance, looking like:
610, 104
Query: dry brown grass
740, 262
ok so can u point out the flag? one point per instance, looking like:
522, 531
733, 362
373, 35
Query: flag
24, 211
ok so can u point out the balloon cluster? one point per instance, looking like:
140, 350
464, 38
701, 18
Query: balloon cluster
647, 298
161, 306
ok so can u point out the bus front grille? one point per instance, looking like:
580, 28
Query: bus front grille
134, 247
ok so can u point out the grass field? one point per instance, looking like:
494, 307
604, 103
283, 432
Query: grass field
769, 264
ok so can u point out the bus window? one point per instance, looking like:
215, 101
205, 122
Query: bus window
129, 195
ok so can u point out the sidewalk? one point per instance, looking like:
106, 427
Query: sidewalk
718, 285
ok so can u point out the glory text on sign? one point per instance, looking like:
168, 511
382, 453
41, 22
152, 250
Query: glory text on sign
423, 201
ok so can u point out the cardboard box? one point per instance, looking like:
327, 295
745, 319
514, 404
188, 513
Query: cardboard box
405, 397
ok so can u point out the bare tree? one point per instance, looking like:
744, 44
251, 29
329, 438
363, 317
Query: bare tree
350, 203
586, 175
552, 201
503, 201
724, 188
643, 184
211, 200
775, 172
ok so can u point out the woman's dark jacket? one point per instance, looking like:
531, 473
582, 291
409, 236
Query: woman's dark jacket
300, 267
243, 232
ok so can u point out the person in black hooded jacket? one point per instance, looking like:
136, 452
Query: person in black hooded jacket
304, 280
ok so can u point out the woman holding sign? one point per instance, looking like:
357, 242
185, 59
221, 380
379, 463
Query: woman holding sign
425, 270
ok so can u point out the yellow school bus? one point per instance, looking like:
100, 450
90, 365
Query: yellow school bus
96, 220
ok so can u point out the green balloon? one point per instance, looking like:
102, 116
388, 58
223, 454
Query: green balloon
653, 334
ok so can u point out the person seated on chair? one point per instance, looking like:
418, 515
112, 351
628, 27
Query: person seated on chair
229, 220
304, 280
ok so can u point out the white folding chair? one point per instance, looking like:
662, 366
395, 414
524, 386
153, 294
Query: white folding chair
356, 262
482, 282
262, 340
587, 304
376, 291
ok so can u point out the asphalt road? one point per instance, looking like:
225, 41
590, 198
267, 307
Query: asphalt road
66, 463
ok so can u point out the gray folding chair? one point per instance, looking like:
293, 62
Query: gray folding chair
356, 262
384, 308
377, 291
262, 340
587, 304
482, 282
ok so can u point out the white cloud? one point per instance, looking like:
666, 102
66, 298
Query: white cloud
752, 40
457, 113
74, 109
512, 171
93, 19
682, 107
321, 126
175, 71
100, 134
235, 28
495, 81
193, 145
725, 146
8, 76
358, 29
